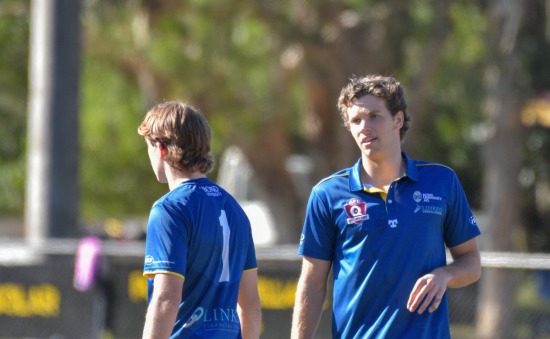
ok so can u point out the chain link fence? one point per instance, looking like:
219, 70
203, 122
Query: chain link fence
38, 298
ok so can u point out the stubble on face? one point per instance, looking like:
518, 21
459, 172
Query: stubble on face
372, 126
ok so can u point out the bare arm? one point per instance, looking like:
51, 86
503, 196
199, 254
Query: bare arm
310, 296
163, 308
464, 270
249, 309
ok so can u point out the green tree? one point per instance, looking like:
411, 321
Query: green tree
268, 75
14, 32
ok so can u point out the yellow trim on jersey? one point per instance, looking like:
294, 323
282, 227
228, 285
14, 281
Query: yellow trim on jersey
333, 176
251, 269
152, 274
434, 164
373, 189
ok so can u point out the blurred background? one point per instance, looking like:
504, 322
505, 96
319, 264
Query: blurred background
78, 76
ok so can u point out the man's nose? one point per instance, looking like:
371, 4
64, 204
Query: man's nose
365, 125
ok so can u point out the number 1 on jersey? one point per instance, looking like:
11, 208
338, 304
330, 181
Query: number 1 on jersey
225, 251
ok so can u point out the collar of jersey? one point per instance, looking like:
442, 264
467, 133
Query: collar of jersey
355, 178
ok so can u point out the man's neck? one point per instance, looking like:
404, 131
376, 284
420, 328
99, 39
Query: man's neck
178, 177
382, 171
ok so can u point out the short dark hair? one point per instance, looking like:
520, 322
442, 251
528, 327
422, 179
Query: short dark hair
384, 87
184, 131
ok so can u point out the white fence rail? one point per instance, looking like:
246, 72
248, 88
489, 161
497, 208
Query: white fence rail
19, 251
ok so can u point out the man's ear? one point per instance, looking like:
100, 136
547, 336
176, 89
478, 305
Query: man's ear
399, 119
163, 151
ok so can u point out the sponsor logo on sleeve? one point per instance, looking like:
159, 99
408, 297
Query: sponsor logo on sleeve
149, 260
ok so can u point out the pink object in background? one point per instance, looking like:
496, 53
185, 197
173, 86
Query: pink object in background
86, 263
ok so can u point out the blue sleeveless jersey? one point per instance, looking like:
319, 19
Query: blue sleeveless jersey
198, 231
379, 248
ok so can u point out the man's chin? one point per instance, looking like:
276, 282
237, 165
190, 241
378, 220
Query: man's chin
371, 153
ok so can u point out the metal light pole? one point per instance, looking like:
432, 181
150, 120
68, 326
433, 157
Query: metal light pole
52, 195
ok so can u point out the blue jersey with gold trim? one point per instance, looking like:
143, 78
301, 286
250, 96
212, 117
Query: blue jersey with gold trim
198, 231
380, 247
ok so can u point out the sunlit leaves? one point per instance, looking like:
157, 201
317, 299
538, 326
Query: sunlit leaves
469, 28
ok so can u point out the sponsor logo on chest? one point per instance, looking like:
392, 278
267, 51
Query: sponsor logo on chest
356, 211
420, 197
425, 197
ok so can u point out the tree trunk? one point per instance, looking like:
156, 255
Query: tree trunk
268, 159
52, 200
502, 159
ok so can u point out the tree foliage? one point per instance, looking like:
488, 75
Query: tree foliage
14, 32
267, 75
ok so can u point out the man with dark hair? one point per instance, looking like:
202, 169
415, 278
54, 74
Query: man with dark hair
199, 254
383, 226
